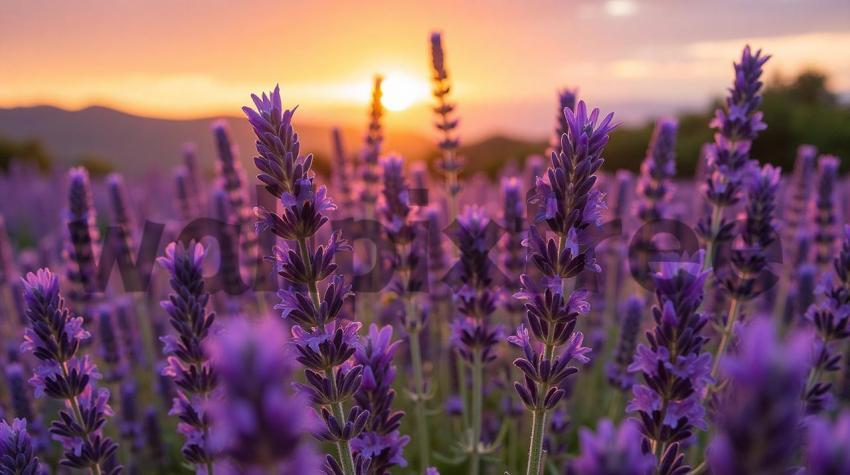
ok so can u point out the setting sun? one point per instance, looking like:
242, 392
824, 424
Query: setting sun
401, 91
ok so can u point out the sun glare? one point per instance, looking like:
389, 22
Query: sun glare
401, 91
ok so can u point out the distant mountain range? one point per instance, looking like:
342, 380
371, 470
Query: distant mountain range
134, 144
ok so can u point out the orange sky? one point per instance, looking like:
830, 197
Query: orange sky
181, 58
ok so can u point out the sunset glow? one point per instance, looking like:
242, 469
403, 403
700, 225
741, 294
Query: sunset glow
401, 91
156, 59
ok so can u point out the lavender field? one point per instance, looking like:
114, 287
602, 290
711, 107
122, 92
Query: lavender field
389, 315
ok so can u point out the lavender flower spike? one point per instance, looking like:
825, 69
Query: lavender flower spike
261, 427
569, 204
566, 100
617, 370
658, 170
828, 446
737, 124
474, 336
188, 363
81, 250
16, 451
408, 283
830, 318
612, 451
758, 426
450, 164
372, 150
674, 367
316, 294
54, 337
824, 213
381, 441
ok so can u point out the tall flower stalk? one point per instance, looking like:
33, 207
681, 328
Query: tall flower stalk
824, 212
758, 427
54, 336
474, 336
317, 292
16, 450
261, 426
187, 361
654, 188
450, 164
569, 205
749, 275
81, 250
795, 212
673, 365
737, 124
380, 442
232, 179
831, 321
370, 176
408, 284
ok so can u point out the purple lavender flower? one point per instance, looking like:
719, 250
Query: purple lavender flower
130, 427
153, 436
54, 337
824, 213
341, 170
473, 335
674, 368
7, 259
449, 164
513, 221
831, 320
758, 233
567, 198
316, 293
121, 215
21, 402
797, 204
232, 179
185, 203
612, 451
371, 152
130, 344
759, 422
617, 370
381, 441
194, 183
81, 250
737, 124
569, 204
828, 446
260, 425
654, 186
187, 362
408, 282
566, 100
16, 451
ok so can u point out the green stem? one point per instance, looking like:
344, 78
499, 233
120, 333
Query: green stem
477, 407
716, 214
345, 458
342, 447
513, 435
535, 451
419, 401
538, 423
698, 469
734, 308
